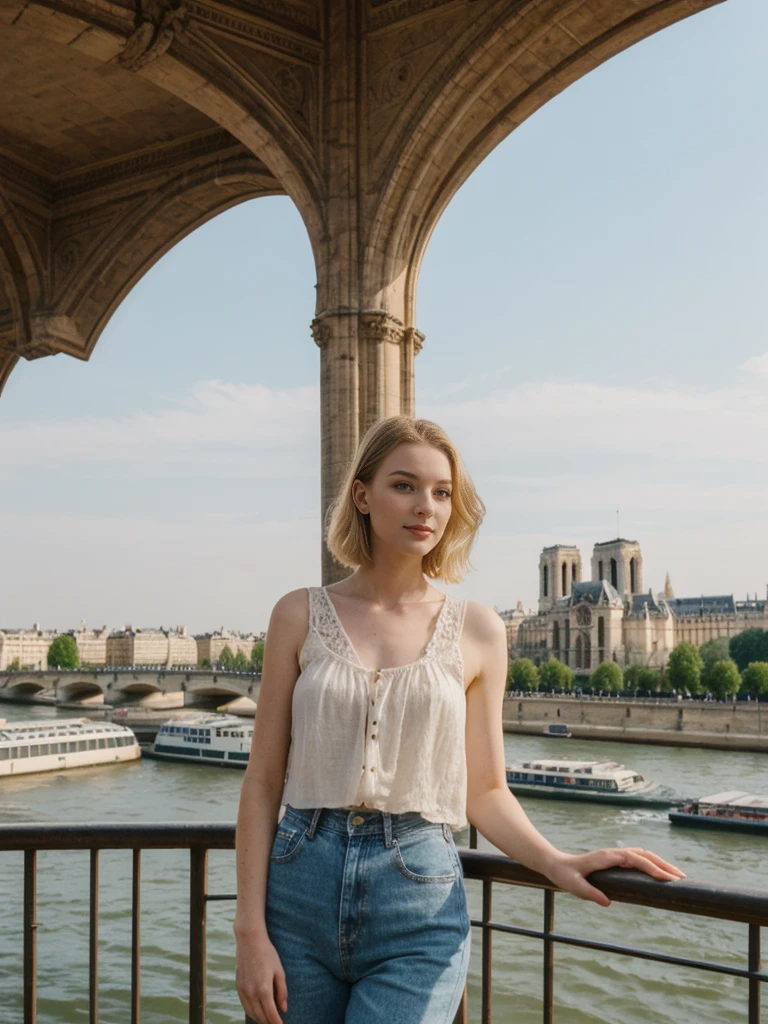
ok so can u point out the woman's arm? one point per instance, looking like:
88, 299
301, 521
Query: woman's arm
260, 979
491, 807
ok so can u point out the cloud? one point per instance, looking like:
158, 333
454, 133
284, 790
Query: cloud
757, 365
215, 421
584, 421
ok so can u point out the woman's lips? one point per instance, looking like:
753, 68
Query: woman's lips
420, 531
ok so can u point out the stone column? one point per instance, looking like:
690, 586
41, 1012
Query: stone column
335, 332
380, 340
410, 348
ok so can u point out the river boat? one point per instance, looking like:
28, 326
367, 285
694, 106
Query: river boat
734, 811
606, 782
55, 744
558, 729
223, 740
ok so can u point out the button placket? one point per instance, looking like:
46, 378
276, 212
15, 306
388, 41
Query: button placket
374, 691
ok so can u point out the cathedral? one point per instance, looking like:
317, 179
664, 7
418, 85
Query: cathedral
611, 617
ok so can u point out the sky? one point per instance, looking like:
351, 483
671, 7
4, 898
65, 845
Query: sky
593, 301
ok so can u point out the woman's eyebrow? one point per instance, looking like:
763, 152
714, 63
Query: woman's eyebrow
414, 476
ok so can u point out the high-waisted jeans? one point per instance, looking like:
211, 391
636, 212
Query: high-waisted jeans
368, 913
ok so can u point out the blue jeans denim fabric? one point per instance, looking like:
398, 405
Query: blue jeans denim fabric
368, 913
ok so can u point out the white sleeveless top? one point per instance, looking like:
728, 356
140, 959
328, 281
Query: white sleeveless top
392, 739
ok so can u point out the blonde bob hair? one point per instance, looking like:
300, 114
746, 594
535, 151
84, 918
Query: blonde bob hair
348, 533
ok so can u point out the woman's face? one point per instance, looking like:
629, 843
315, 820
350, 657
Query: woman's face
409, 499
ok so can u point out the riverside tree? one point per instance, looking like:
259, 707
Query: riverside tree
522, 674
63, 652
711, 652
555, 675
684, 668
722, 678
607, 676
227, 659
242, 663
257, 655
754, 679
749, 646
641, 677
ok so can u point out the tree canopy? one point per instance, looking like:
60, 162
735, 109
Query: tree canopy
711, 652
607, 676
723, 678
555, 675
754, 679
684, 668
522, 674
63, 652
242, 663
227, 659
257, 656
641, 677
749, 646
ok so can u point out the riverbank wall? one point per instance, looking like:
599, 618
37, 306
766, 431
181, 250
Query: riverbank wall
669, 723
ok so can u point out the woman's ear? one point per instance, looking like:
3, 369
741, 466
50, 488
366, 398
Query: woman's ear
359, 497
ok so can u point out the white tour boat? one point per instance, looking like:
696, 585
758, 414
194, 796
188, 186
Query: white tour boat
47, 745
734, 811
204, 739
603, 781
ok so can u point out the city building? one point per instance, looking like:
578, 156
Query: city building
27, 646
210, 645
166, 647
611, 617
91, 644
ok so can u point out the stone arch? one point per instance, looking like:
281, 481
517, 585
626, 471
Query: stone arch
77, 689
205, 69
508, 61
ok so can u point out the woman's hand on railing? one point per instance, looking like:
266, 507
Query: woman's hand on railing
569, 871
260, 979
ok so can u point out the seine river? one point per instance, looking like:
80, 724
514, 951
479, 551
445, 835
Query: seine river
589, 989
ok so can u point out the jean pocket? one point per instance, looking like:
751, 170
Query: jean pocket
424, 855
286, 844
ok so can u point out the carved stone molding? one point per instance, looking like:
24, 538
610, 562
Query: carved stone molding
387, 12
157, 22
378, 326
414, 337
321, 331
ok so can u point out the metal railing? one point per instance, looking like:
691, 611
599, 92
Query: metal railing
631, 887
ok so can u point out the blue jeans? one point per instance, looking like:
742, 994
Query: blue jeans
368, 913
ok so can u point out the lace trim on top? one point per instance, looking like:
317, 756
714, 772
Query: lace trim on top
325, 621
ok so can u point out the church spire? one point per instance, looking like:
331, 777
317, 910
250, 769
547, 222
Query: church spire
668, 591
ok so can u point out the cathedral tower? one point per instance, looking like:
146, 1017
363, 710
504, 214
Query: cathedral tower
559, 569
621, 564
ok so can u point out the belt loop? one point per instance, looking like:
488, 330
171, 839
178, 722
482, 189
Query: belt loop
387, 829
313, 824
447, 833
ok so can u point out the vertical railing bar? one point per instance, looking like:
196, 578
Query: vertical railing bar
93, 940
487, 951
136, 938
548, 996
198, 891
753, 962
30, 936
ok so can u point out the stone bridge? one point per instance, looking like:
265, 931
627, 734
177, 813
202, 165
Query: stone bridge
122, 687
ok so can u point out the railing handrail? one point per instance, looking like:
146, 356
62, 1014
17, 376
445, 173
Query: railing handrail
731, 903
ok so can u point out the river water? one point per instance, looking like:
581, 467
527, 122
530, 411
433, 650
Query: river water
589, 988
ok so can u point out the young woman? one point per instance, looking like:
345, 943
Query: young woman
378, 728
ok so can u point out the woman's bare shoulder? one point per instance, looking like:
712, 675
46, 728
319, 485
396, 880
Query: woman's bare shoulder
291, 611
483, 624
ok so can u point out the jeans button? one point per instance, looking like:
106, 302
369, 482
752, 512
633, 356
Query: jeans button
357, 820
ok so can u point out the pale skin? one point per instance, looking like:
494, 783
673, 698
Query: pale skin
388, 609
